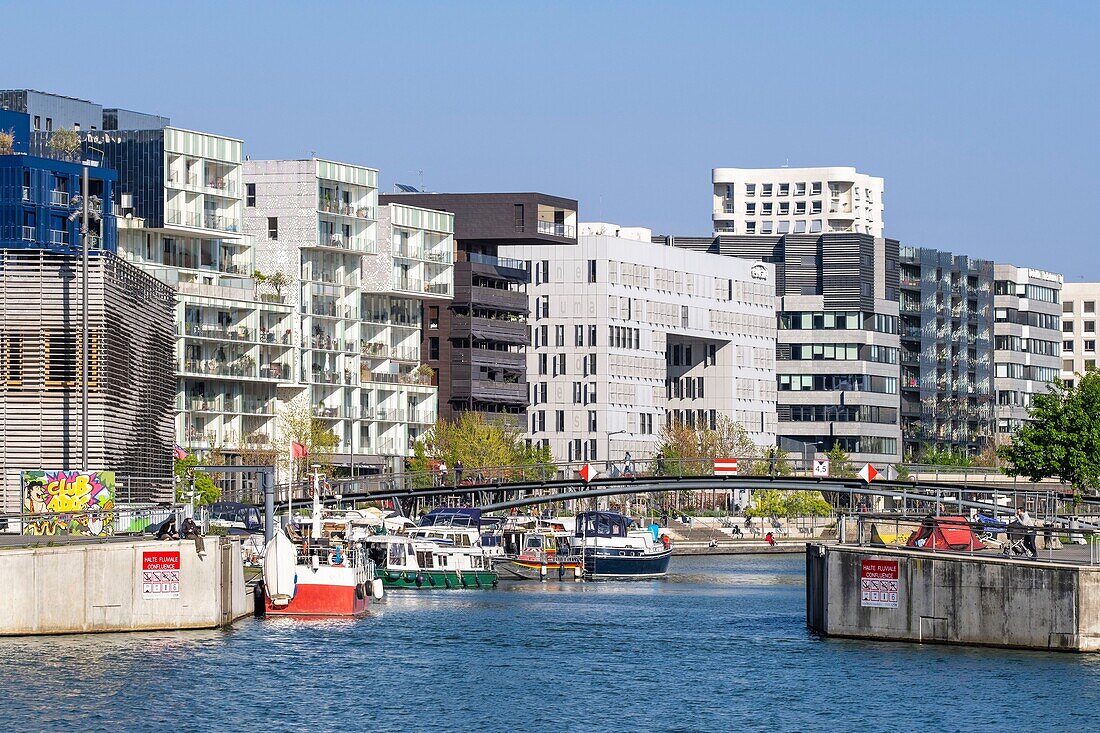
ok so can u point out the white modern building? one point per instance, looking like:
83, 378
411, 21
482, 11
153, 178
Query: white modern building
357, 274
628, 335
180, 218
1027, 340
1079, 335
796, 201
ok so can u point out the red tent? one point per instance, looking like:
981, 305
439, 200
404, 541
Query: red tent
945, 533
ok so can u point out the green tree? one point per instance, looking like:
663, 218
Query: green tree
1062, 440
206, 490
690, 451
933, 456
64, 141
839, 464
299, 425
774, 460
487, 448
7, 141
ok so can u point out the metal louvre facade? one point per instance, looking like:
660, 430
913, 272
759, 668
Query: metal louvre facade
131, 373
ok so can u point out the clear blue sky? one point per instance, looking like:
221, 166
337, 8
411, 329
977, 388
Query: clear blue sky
982, 117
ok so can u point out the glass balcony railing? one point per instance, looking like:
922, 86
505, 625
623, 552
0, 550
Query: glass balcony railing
59, 198
497, 261
28, 234
557, 230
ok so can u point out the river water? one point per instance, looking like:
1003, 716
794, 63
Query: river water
721, 644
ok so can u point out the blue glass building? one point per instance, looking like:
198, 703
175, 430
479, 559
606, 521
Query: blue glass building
36, 197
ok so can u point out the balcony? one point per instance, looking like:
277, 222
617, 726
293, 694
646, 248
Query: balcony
486, 390
241, 367
58, 236
328, 206
491, 329
178, 217
513, 301
28, 234
351, 244
26, 193
491, 358
216, 331
436, 256
503, 262
421, 287
59, 198
506, 419
277, 371
555, 229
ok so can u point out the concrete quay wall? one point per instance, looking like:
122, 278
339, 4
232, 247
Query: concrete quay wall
104, 587
952, 599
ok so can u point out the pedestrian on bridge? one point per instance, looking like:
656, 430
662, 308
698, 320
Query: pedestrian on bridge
458, 473
442, 473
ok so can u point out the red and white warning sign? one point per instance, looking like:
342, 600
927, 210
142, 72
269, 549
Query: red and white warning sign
160, 574
725, 466
588, 472
868, 473
878, 583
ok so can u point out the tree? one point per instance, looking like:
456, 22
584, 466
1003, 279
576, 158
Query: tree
7, 142
774, 503
933, 456
775, 461
486, 448
839, 465
276, 281
206, 490
691, 451
299, 425
1062, 440
65, 141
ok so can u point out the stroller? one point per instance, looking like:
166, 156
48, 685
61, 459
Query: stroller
1016, 544
989, 529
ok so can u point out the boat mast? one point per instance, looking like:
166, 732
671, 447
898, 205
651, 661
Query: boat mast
316, 478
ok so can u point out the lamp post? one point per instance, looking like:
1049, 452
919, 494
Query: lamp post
615, 432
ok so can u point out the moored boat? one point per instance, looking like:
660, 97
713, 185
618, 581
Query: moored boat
546, 554
408, 562
612, 545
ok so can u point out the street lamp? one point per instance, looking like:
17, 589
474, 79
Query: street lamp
615, 432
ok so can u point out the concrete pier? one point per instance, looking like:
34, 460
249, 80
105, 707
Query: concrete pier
911, 595
121, 586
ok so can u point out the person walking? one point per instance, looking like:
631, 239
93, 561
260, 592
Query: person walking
442, 473
1028, 525
628, 467
458, 473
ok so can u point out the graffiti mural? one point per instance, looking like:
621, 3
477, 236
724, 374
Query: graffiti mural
76, 502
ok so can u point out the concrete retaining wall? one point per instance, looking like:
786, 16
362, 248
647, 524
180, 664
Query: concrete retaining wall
957, 600
92, 588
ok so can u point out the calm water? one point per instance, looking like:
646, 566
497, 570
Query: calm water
720, 643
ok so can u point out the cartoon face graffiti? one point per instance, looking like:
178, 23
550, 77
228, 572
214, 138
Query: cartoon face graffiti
78, 502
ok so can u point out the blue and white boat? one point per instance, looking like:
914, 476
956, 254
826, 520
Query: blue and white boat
612, 545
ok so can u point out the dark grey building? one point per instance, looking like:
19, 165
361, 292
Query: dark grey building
947, 393
131, 374
475, 342
837, 346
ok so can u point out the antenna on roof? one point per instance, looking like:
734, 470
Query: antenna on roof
421, 172
786, 162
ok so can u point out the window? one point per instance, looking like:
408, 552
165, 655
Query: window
750, 189
783, 228
12, 364
559, 420
433, 348
591, 421
1090, 326
543, 363
784, 208
750, 227
578, 335
37, 122
433, 316
1090, 345
250, 194
592, 271
559, 335
766, 209
815, 189
578, 393
1067, 326
61, 359
592, 335
272, 227
766, 189
800, 189
800, 207
815, 226
750, 209
1067, 306
766, 227
1090, 306
1067, 346
784, 189
517, 216
800, 227
815, 207
49, 124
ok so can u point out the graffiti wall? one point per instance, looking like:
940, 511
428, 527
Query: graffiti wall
74, 502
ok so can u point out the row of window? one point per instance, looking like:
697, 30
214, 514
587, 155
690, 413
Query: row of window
1088, 306
60, 356
1032, 292
844, 352
838, 413
837, 383
1026, 318
784, 208
1067, 365
687, 388
1029, 346
1012, 370
1087, 326
837, 320
683, 355
851, 444
1090, 345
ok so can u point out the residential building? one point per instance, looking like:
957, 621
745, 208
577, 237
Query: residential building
837, 342
48, 112
1079, 334
629, 336
1027, 340
181, 202
40, 197
475, 342
358, 275
946, 331
780, 201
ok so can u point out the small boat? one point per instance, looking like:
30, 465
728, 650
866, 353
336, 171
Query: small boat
612, 545
314, 569
402, 561
546, 554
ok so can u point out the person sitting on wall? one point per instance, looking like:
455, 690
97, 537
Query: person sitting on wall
190, 531
167, 529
